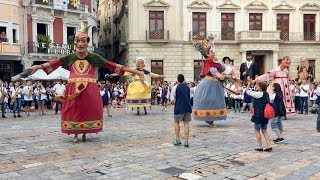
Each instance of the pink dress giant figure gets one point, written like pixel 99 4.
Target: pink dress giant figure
pixel 280 75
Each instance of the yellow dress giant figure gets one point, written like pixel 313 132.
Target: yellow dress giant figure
pixel 139 91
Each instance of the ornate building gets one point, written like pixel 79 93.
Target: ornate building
pixel 51 24
pixel 164 33
pixel 11 28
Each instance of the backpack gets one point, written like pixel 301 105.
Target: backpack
pixel 268 112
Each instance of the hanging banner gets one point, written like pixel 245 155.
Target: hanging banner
pixel 60 4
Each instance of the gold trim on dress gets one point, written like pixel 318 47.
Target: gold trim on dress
pixel 72 80
pixel 81 66
pixel 48 66
pixel 210 113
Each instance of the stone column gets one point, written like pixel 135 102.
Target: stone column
pixel 26 62
pixel 275 59
pixel 244 56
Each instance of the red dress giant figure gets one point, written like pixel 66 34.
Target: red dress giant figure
pixel 82 111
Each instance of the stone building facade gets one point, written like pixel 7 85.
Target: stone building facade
pixel 55 21
pixel 11 25
pixel 163 31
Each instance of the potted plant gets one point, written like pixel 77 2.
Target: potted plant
pixel 43 39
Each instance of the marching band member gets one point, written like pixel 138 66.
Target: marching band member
pixel 16 92
pixel 27 92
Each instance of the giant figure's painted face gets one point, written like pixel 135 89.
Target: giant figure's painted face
pixel 286 61
pixel 81 42
pixel 140 64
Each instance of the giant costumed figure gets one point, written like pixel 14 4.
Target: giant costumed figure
pixel 139 91
pixel 82 110
pixel 208 101
pixel 280 75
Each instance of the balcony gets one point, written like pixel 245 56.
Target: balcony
pixel 300 37
pixel 41 2
pixel 219 36
pixel 159 36
pixel 10 49
pixel 259 36
pixel 49 4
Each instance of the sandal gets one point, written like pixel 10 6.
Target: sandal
pixel 258 149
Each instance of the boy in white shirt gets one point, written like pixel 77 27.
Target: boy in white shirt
pixel 304 94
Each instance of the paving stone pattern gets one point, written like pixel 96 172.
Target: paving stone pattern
pixel 140 147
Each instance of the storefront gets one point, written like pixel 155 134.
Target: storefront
pixel 9 69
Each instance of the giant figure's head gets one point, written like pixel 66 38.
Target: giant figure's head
pixel 286 61
pixel 81 38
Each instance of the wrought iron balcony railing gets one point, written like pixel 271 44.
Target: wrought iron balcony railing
pixel 300 37
pixel 218 36
pixel 159 35
pixel 42 2
pixel 81 6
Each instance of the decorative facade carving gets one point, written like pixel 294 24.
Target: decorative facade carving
pixel 72 19
pixel 228 6
pixel 199 4
pixel 42 15
pixel 259 46
pixel 156 4
pixel 256 5
pixel 310 7
pixel 284 6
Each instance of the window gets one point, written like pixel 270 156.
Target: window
pixel 70 32
pixel 309 23
pixel 255 21
pixel 42 29
pixel 227 26
pixel 156 30
pixel 14 36
pixel 3 34
pixel 283 26
pixel 312 64
pixel 197 69
pixel 199 20
pixel 156 67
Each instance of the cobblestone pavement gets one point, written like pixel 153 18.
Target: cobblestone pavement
pixel 140 147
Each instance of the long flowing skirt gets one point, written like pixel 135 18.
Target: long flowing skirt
pixel 139 94
pixel 208 101
pixel 83 114
pixel 285 88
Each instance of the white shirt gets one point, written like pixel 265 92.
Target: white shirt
pixel 313 94
pixel 13 91
pixel 59 89
pixel 249 64
pixel 25 92
pixel 102 92
pixel 43 95
pixel 255 94
pixel 4 90
pixel 303 93
pixel 318 91
pixel 173 94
